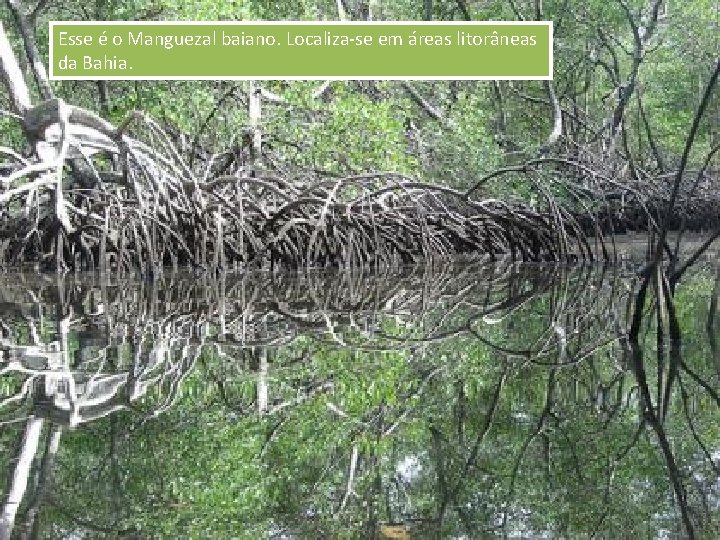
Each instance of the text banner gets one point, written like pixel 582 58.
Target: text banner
pixel 300 50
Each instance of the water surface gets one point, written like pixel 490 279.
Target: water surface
pixel 472 401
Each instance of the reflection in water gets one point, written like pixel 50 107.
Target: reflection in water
pixel 477 401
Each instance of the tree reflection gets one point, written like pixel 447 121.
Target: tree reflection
pixel 475 400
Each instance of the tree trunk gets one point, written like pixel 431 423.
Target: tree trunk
pixel 18 477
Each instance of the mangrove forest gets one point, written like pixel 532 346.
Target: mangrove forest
pixel 381 309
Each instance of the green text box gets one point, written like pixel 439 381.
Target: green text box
pixel 300 50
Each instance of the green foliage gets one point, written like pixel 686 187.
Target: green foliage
pixel 351 134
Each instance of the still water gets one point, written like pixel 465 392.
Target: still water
pixel 474 401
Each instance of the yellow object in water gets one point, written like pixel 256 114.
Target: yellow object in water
pixel 398 532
